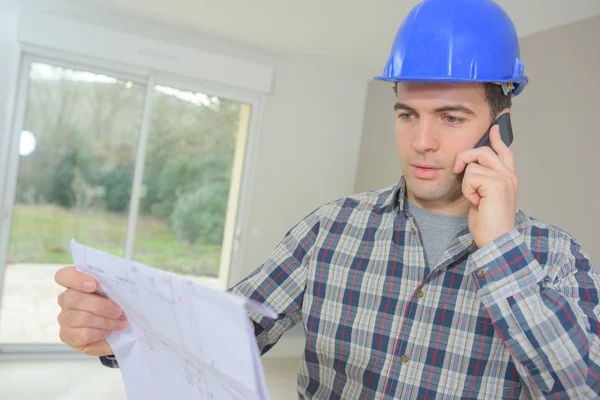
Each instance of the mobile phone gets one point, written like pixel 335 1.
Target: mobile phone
pixel 506 132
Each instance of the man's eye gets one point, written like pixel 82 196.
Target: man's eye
pixel 452 119
pixel 405 116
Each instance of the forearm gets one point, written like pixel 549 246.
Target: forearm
pixel 551 334
pixel 280 283
pixel 284 299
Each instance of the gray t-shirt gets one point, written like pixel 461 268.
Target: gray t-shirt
pixel 437 231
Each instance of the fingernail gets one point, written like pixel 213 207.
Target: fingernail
pixel 88 285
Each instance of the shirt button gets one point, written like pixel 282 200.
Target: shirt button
pixel 480 273
pixel 405 359
pixel 413 231
pixel 420 294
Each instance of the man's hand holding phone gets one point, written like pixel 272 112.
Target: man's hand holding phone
pixel 491 185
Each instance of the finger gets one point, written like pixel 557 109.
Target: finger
pixel 479 170
pixel 79 338
pixel 473 187
pixel 84 319
pixel 70 278
pixel 504 153
pixel 99 348
pixel 74 300
pixel 485 156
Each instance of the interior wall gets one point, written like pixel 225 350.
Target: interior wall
pixel 8 68
pixel 555 127
pixel 307 152
pixel 378 163
pixel 558 133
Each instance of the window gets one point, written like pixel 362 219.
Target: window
pixel 137 168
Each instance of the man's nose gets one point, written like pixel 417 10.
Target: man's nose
pixel 426 138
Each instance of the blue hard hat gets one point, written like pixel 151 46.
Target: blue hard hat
pixel 457 41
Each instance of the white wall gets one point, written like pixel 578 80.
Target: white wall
pixel 378 163
pixel 8 66
pixel 308 149
pixel 556 132
pixel 8 35
pixel 559 137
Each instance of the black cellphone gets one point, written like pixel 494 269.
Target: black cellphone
pixel 506 132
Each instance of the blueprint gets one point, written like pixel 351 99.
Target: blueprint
pixel 183 340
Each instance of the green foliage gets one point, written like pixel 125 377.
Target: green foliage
pixel 87 137
pixel 118 184
pixel 41 234
pixel 199 214
pixel 179 175
pixel 61 191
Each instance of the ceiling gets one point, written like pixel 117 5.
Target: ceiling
pixel 355 32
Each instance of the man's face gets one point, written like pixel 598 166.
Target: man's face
pixel 434 123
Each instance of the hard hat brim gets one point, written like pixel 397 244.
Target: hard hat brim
pixel 519 83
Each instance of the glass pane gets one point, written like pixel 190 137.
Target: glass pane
pixel 196 144
pixel 76 162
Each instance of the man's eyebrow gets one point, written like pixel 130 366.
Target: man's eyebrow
pixel 402 106
pixel 455 107
pixel 450 107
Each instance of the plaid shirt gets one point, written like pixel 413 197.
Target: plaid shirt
pixel 517 318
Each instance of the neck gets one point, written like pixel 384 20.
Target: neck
pixel 453 207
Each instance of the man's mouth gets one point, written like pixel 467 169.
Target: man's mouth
pixel 425 171
pixel 425 166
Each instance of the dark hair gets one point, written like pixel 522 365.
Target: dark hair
pixel 494 94
pixel 498 101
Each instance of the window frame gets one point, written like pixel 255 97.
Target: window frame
pixel 237 231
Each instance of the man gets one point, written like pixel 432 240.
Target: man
pixel 437 287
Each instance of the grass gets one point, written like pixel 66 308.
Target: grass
pixel 41 234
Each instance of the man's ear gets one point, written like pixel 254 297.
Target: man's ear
pixel 505 111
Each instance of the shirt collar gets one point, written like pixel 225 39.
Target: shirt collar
pixel 396 196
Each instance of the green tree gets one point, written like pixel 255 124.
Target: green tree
pixel 199 215
pixel 61 191
pixel 96 124
pixel 118 183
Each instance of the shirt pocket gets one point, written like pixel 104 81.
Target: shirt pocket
pixel 491 388
pixel 486 365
